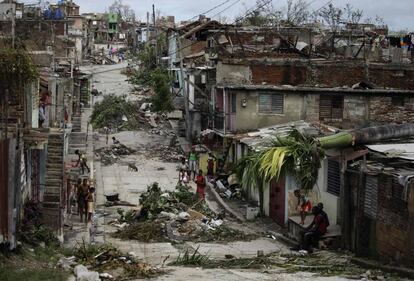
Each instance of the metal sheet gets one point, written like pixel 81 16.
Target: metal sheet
pixel 395 150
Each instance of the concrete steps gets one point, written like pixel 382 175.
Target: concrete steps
pixel 54 179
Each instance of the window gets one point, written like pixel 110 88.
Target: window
pixel 331 107
pixel 371 197
pixel 271 103
pixel 334 178
pixel 233 103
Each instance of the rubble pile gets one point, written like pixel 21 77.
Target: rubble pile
pixel 175 216
pixel 100 59
pixel 110 155
pixel 110 263
pixel 167 153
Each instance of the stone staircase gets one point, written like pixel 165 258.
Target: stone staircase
pixel 76 123
pixel 52 208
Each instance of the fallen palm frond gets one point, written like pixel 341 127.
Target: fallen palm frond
pixel 296 154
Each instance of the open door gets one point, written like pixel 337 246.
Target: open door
pixel 277 201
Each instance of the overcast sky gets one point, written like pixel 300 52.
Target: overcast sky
pixel 398 14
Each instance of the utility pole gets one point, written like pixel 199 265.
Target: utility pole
pixel 188 131
pixel 147 31
pixel 156 35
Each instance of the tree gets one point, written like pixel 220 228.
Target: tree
pixel 162 101
pixel 332 16
pixel 297 12
pixel 123 10
pixel 352 14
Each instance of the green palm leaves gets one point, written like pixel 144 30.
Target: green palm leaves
pixel 295 154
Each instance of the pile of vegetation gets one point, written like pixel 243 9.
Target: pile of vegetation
pixel 115 112
pixel 159 219
pixel 32 230
pixel 107 258
pixel 38 254
pixel 321 264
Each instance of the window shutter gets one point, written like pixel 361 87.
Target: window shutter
pixel 277 104
pixel 334 178
pixel 371 197
pixel 265 104
pixel 271 103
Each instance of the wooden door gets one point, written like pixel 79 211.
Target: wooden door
pixel 277 201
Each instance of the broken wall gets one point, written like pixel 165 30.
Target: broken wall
pixel 300 72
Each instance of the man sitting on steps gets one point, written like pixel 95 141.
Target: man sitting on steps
pixel 313 232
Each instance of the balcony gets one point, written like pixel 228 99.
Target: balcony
pixel 224 123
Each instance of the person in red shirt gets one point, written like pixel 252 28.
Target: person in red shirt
pixel 201 184
pixel 314 231
pixel 304 205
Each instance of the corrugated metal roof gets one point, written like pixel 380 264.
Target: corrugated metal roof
pixel 395 150
pixel 263 137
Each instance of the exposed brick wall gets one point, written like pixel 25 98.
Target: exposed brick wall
pixel 393 221
pixel 336 74
pixel 382 110
pixel 395 77
pixel 279 75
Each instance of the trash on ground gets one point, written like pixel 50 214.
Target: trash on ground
pixel 175 216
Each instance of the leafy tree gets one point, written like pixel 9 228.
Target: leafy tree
pixel 16 69
pixel 162 101
pixel 111 110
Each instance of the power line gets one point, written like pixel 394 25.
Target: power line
pixel 225 9
pixel 248 13
pixel 212 9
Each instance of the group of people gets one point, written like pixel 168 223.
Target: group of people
pixel 318 227
pixel 85 198
pixel 190 170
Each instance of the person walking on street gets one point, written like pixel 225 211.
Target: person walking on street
pixel 183 172
pixel 82 161
pixel 201 185
pixel 90 201
pixel 81 192
pixel 192 160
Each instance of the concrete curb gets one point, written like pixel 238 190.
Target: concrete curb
pixel 223 204
pixel 406 272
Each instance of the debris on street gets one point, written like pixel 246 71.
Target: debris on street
pixel 175 216
pixel 110 155
pixel 166 153
pixel 111 262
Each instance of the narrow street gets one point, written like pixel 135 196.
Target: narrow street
pixel 118 178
